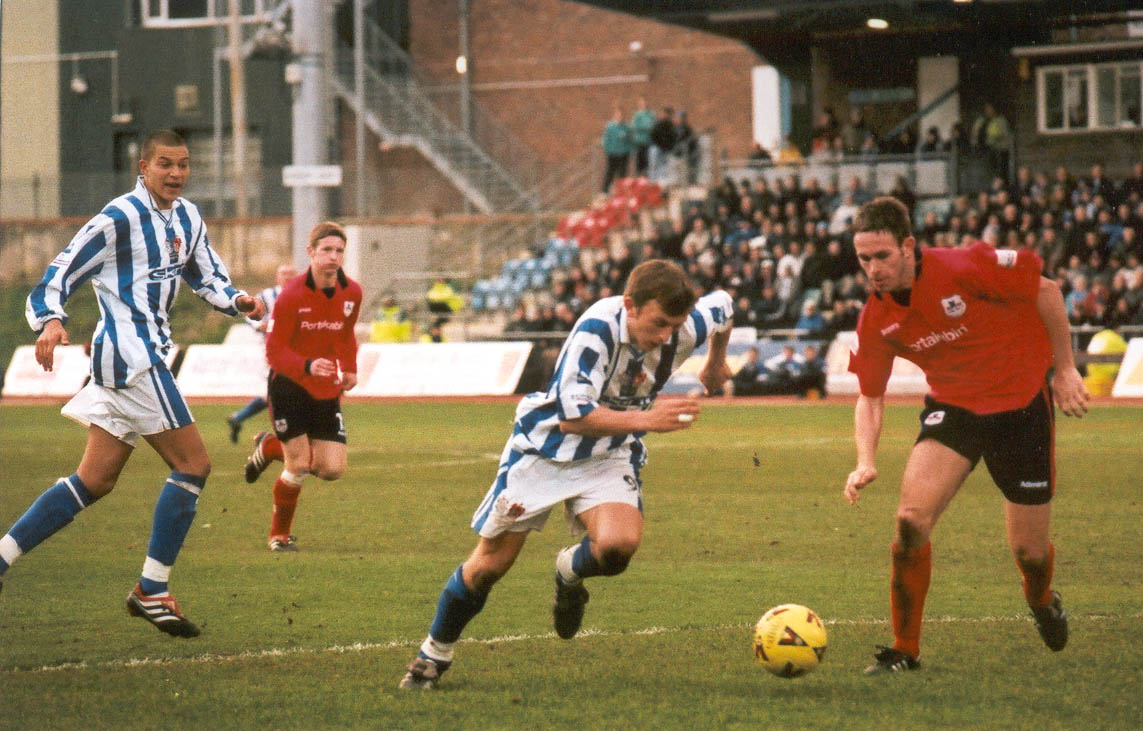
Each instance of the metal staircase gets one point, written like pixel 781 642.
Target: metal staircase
pixel 492 169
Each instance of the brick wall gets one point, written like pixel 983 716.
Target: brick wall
pixel 575 63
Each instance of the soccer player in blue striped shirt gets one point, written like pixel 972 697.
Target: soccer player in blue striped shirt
pixel 580 444
pixel 135 252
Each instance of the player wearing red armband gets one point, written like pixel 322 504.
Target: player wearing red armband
pixel 991 335
pixel 313 358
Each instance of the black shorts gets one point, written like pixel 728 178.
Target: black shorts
pixel 294 412
pixel 1018 446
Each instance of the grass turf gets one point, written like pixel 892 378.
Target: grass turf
pixel 319 639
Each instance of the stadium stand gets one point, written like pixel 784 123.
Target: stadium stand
pixel 778 247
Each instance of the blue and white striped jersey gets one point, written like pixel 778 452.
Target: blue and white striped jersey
pixel 600 366
pixel 134 256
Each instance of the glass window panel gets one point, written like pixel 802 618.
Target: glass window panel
pixel 1075 99
pixel 1053 100
pixel 1105 94
pixel 188 9
pixel 1130 97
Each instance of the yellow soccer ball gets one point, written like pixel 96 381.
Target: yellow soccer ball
pixel 789 640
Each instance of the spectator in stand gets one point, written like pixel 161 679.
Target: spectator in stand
pixel 758 153
pixel 811 320
pixel 843 215
pixel 616 144
pixel 905 143
pixel 520 321
pixel 842 318
pixel 745 380
pixel 686 148
pixel 1093 309
pixel 1100 185
pixel 813 372
pixel 958 140
pixel 903 193
pixel 769 308
pixel 663 138
pixel 672 243
pixel 823 133
pixel 744 314
pixel 1130 242
pixel 442 298
pixel 789 154
pixel 931 144
pixel 1075 298
pixel 813 266
pixel 435 333
pixel 856 135
pixel 642 121
pixel 992 136
pixel 785 371
pixel 788 289
pixel 1131 190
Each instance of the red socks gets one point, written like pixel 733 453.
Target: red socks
pixel 907 590
pixel 1038 579
pixel 272 448
pixel 285 501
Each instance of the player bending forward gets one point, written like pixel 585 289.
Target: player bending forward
pixel 135 252
pixel 313 358
pixel 580 444
pixel 986 328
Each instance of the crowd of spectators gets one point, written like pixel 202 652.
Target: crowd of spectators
pixel 663 148
pixel 784 252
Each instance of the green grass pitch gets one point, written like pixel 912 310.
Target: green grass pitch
pixel 319 639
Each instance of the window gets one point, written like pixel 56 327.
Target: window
pixel 1090 97
pixel 199 13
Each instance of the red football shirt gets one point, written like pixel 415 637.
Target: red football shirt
pixel 971 325
pixel 308 324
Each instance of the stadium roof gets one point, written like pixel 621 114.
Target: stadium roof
pixel 770 26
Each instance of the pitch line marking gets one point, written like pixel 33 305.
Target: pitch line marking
pixel 412 644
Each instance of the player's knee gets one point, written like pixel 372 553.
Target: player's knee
pixel 912 530
pixel 327 472
pixel 197 466
pixel 613 558
pixel 485 576
pixel 1030 557
pixel 99 486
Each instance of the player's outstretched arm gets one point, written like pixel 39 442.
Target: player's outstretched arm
pixel 52 335
pixel 866 432
pixel 1067 385
pixel 666 415
pixel 715 370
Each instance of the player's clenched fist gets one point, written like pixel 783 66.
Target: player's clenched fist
pixel 672 414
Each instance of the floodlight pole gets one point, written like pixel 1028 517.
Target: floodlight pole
pixel 309 120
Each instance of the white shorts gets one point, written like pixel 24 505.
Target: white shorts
pixel 151 405
pixel 527 487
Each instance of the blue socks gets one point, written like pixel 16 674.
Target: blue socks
pixel 583 563
pixel 254 407
pixel 174 513
pixel 456 607
pixel 53 509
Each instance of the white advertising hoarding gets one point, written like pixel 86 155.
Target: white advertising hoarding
pixel 440 369
pixel 25 377
pixel 224 370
